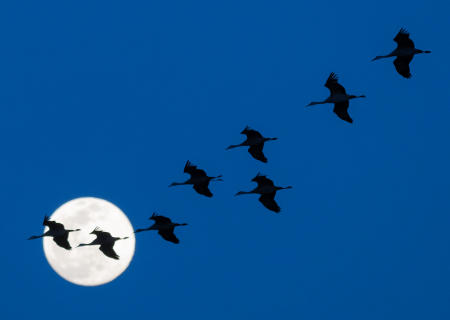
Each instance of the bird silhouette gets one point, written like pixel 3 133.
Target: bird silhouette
pixel 339 97
pixel 106 242
pixel 404 53
pixel 255 142
pixel 165 227
pixel 198 179
pixel 57 231
pixel 267 190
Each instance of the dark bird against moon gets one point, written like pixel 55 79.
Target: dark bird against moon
pixel 106 242
pixel 57 231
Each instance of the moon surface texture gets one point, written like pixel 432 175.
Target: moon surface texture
pixel 88 266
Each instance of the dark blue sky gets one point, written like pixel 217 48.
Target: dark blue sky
pixel 110 98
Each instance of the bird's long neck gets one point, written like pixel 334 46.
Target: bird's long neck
pixel 382 57
pixel 269 139
pixel 173 184
pixel 317 102
pixel 73 230
pixel 235 146
pixel 88 244
pixel 36 237
pixel 145 229
pixel 422 51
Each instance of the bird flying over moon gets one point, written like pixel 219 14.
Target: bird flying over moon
pixel 57 231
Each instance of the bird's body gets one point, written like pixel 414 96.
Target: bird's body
pixel 57 231
pixel 198 178
pixel 105 241
pixel 255 141
pixel 404 53
pixel 165 227
pixel 339 97
pixel 267 191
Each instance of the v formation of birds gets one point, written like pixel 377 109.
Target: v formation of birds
pixel 266 189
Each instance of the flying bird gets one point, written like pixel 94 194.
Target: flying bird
pixel 165 227
pixel 339 97
pixel 198 179
pixel 267 190
pixel 404 53
pixel 57 231
pixel 255 142
pixel 106 242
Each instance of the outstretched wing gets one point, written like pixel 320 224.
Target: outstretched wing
pixel 160 219
pixel 402 65
pixel 108 250
pixel 193 170
pixel 52 225
pixel 62 241
pixel 203 189
pixel 251 134
pixel 262 181
pixel 341 110
pixel 102 236
pixel 333 85
pixel 167 234
pixel 257 152
pixel 268 200
pixel 403 40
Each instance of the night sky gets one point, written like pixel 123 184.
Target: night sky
pixel 109 99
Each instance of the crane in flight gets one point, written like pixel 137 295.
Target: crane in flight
pixel 255 141
pixel 199 179
pixel 57 231
pixel 339 97
pixel 267 191
pixel 165 227
pixel 106 242
pixel 404 53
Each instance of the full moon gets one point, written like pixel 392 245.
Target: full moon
pixel 88 266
